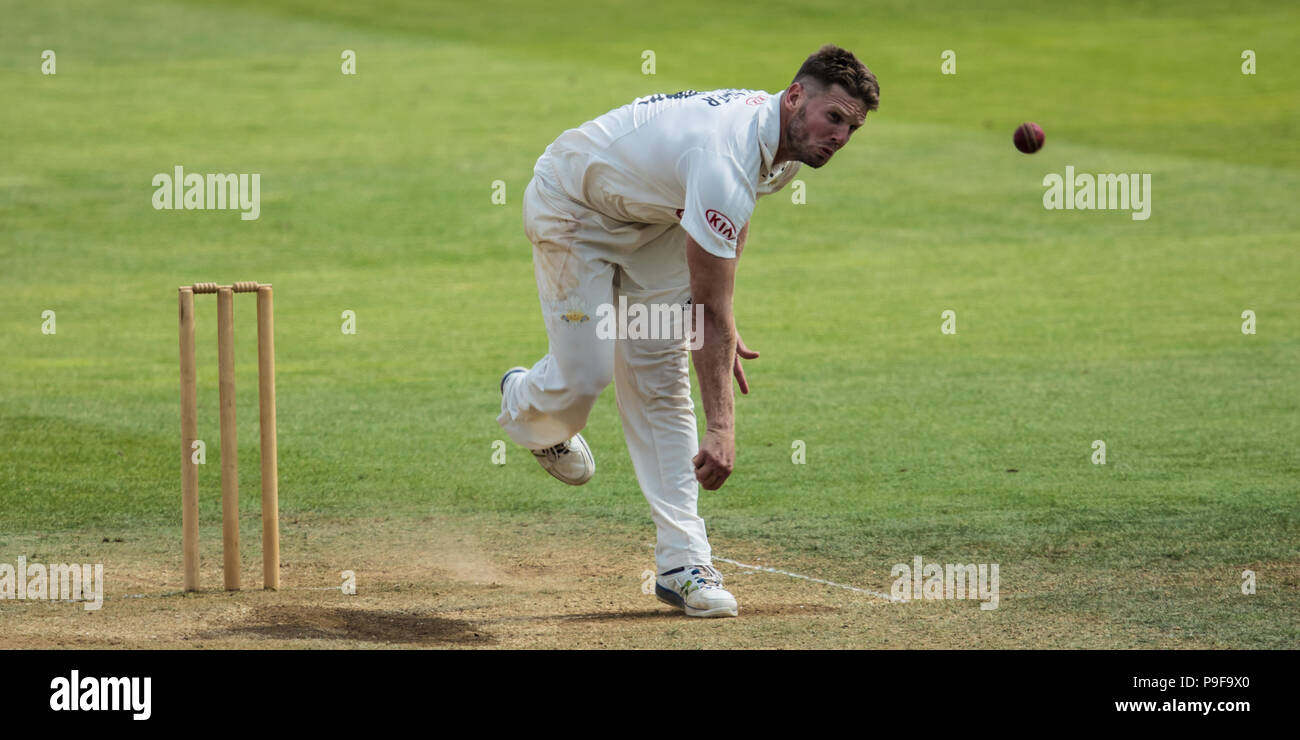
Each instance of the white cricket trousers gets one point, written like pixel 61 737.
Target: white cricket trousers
pixel 583 259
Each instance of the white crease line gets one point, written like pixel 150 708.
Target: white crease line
pixel 167 594
pixel 877 594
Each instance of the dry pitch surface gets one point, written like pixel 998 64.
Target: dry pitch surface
pixel 439 583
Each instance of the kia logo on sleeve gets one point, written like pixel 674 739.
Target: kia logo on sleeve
pixel 721 224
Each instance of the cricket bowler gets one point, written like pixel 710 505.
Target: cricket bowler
pixel 650 205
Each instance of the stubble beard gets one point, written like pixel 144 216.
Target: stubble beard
pixel 795 142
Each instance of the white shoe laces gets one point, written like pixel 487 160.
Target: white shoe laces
pixel 706 575
pixel 562 448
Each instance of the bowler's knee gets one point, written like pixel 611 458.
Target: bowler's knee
pixel 585 386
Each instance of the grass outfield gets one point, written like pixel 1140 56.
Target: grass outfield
pixel 376 191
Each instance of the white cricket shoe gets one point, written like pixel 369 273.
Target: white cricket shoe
pixel 697 590
pixel 510 372
pixel 569 461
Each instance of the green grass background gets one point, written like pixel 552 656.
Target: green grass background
pixel 1072 326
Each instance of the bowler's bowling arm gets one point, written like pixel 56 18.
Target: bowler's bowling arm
pixel 713 282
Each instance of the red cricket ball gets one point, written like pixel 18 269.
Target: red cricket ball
pixel 1029 137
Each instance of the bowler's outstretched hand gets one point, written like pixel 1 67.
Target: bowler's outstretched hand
pixel 714 461
pixel 742 352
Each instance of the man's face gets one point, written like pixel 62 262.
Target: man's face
pixel 822 124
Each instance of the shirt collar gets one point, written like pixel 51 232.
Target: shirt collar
pixel 769 131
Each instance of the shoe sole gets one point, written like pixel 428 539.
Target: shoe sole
pixel 672 599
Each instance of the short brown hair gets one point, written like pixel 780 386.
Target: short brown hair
pixel 832 65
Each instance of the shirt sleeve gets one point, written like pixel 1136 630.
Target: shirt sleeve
pixel 719 201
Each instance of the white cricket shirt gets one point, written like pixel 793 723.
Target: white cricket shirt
pixel 701 158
